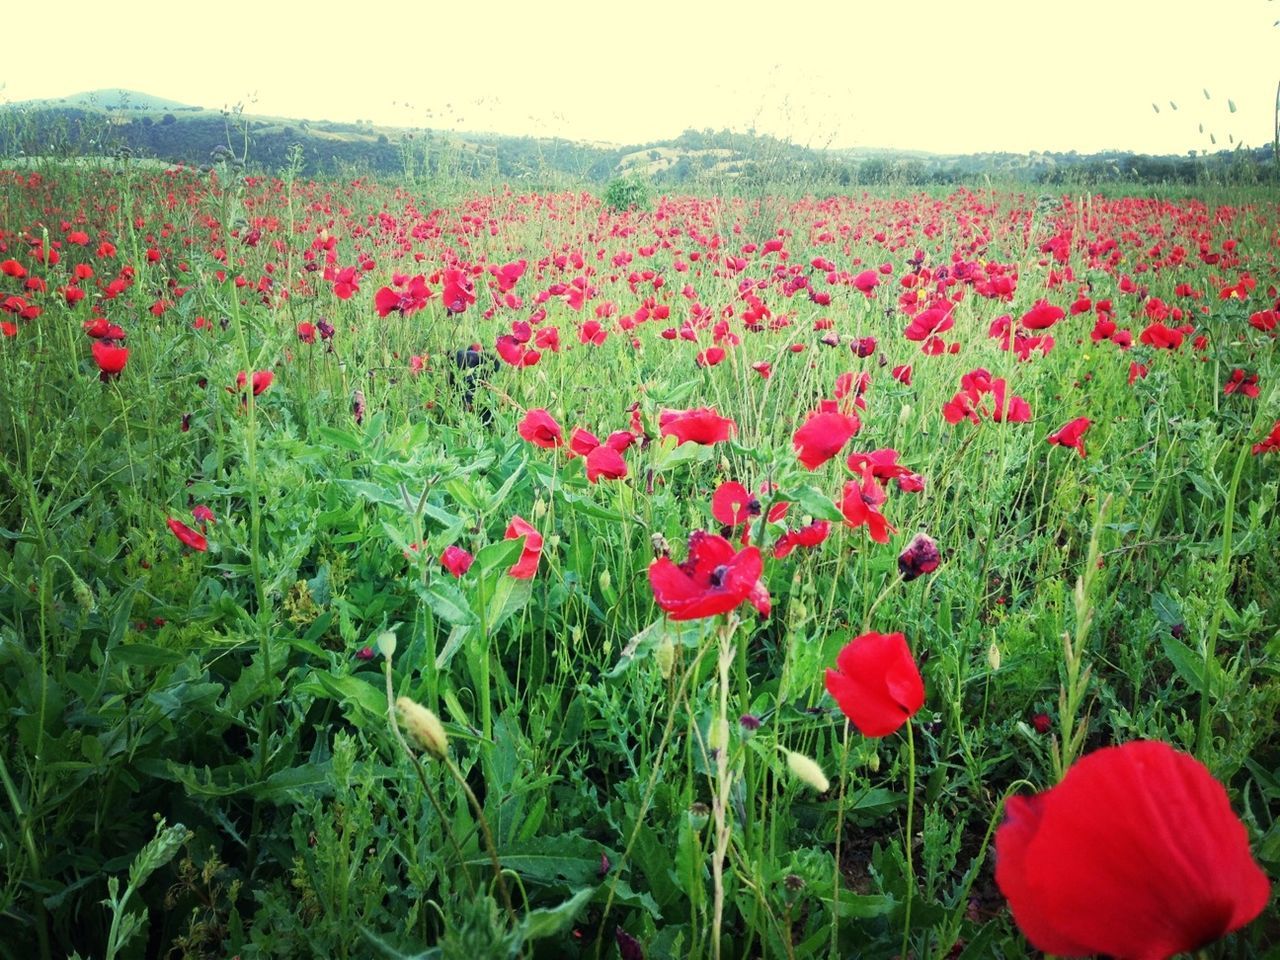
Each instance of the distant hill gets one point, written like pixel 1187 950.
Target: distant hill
pixel 111 121
pixel 110 99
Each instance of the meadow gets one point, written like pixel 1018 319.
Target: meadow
pixel 499 573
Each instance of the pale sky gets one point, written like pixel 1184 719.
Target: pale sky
pixel 961 77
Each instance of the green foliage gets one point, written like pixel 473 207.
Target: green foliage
pixel 627 193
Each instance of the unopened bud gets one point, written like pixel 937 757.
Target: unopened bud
pixel 993 657
pixel 424 727
pixel 83 595
pixel 666 657
pixel 808 771
pixel 386 643
pixel 539 508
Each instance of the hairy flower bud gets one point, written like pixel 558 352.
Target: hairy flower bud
pixel 424 727
pixel 808 771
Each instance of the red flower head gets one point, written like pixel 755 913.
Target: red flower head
pixel 582 442
pixel 1071 434
pixel 110 359
pixel 261 380
pixel 1042 316
pixel 541 429
pixel 876 683
pixel 456 560
pixel 605 461
pixel 527 565
pixel 700 425
pixel 921 556
pixel 1135 854
pixel 188 536
pixel 713 580
pixel 1161 337
pixel 459 291
pixel 808 537
pixel 733 504
pixel 822 436
pixel 1270 443
pixel 861 506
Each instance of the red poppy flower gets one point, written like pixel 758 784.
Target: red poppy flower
pixel 1270 443
pixel 876 683
pixel 700 425
pixel 1265 320
pixel 188 536
pixel 459 291
pixel 1042 316
pixel 203 514
pixel 861 507
pixel 541 429
pixel 110 359
pixel 713 580
pixel 582 442
pixel 527 565
pixel 1135 854
pixel 822 436
pixel 412 297
pixel 1071 434
pixel 733 504
pixel 808 536
pixel 1137 371
pixel 1161 337
pixel 307 332
pixel 456 560
pixel 261 380
pixel 605 461
pixel 1246 383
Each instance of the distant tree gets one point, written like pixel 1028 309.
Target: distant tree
pixel 168 119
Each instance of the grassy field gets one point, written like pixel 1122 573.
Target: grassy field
pixel 254 490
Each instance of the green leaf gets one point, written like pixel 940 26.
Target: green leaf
pixel 498 556
pixel 341 439
pixel 497 499
pixel 1190 665
pixel 147 655
pixel 1166 609
pixel 813 502
pixel 539 924
pixel 447 602
pixel 570 857
pixel 352 692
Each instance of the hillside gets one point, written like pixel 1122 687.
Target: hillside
pixel 112 121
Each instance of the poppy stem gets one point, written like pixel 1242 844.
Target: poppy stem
pixel 911 804
pixel 1224 581
pixel 835 885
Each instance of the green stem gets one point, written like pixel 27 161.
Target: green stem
pixel 1224 580
pixel 911 804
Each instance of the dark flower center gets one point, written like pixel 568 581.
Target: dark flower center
pixel 718 574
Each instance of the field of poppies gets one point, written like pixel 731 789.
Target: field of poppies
pixel 385 574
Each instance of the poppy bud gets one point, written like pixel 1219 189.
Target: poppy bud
pixel 83 595
pixel 424 727
pixel 807 771
pixel 666 657
pixel 386 644
pixel 993 657
pixel 699 813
